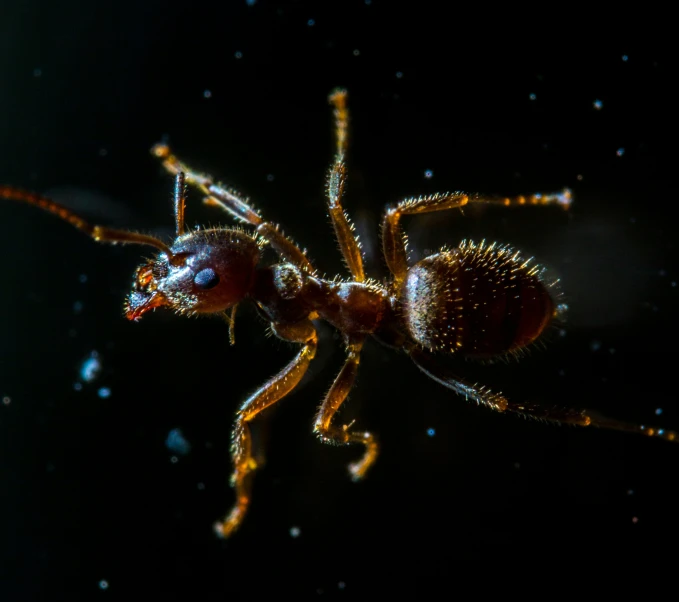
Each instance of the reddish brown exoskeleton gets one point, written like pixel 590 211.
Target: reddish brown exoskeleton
pixel 473 300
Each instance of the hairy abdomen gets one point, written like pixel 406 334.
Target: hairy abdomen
pixel 479 300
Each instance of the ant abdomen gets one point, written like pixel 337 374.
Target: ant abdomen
pixel 479 300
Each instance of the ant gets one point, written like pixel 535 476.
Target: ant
pixel 476 301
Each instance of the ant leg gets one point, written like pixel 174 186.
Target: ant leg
pixel 395 243
pixel 344 229
pixel 275 389
pixel 560 415
pixel 98 233
pixel 235 205
pixel 332 402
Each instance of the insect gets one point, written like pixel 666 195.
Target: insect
pixel 473 300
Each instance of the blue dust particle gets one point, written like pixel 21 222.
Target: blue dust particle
pixel 399 74
pixel 598 105
pixel 103 584
pixel 207 94
pixel 37 72
pixel 104 392
pixel 250 2
pixel 91 368
pixel 177 443
pixel 620 152
pixel 78 307
pixel 270 177
pixel 78 386
pixel 238 54
pixel 673 284
pixel 368 2
pixel 625 58
pixel 595 345
pixel 311 22
pixel 295 531
pixel 532 96
pixel 428 174
pixel 658 411
pixel 431 432
pixel 82 278
pixel 341 585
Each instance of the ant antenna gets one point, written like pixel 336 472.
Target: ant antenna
pixel 98 233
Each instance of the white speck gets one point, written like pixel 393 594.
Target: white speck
pixel 562 372
pixel 595 345
pixel 103 152
pixel 598 105
pixel 177 443
pixel 673 284
pixel 562 332
pixel 632 220
pixel 238 54
pixel 6 400
pixel 311 22
pixel 662 273
pixel 104 392
pixel 207 94
pixel 532 96
pixel 428 174
pixel 620 152
pixel 270 177
pixel 341 585
pixel 579 177
pixel 82 278
pixel 635 519
pixel 91 367
pixel 201 486
pixel 37 72
pixel 658 411
pixel 174 459
pixel 356 52
pixel 295 531
pixel 103 584
pixel 630 492
pixel 399 74
pixel 625 58
pixel 611 350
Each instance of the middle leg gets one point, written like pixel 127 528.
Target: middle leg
pixel 330 433
pixel 344 229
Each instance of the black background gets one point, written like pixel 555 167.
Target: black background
pixel 92 505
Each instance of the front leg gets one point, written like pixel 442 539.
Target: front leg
pixel 276 388
pixel 330 433
pixel 234 204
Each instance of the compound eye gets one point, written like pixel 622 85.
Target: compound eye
pixel 206 279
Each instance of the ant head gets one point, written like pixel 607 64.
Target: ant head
pixel 207 271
